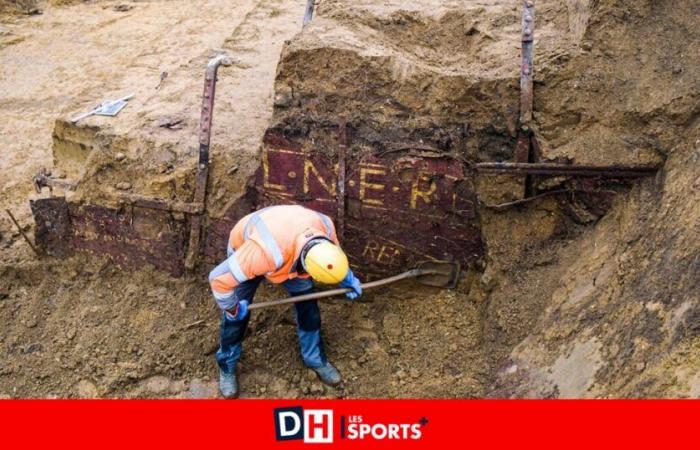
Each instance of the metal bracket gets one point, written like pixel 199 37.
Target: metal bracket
pixel 44 179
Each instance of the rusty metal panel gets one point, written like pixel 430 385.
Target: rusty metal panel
pixel 133 237
pixel 400 209
pixel 53 230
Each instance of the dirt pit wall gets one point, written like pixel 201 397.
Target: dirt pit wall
pixel 617 300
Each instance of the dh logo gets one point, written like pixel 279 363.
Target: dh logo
pixel 314 426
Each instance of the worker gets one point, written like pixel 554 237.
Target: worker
pixel 289 245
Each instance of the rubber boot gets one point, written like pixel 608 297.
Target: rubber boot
pixel 328 374
pixel 228 384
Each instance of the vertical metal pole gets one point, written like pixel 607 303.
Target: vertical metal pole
pixel 523 150
pixel 200 192
pixel 340 189
pixel 309 11
pixel 526 75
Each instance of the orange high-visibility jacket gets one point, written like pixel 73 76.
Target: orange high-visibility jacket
pixel 268 243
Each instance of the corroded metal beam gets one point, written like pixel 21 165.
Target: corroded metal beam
pixel 555 169
pixel 141 201
pixel 200 192
pixel 526 67
pixel 43 179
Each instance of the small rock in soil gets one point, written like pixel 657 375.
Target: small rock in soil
pixel 311 375
pixel 392 327
pixel 171 122
pixel 203 389
pixel 157 384
pixel 33 348
pixel 86 389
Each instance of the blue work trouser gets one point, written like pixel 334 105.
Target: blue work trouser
pixel 308 318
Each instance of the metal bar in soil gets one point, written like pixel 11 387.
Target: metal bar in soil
pixel 205 125
pixel 340 191
pixel 563 169
pixel 21 231
pixel 504 206
pixel 141 201
pixel 526 67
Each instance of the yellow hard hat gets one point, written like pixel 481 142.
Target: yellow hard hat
pixel 326 263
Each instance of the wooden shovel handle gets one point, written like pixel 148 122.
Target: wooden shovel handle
pixel 332 292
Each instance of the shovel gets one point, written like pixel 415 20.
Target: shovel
pixel 441 274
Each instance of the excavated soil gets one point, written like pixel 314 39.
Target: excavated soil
pixel 569 300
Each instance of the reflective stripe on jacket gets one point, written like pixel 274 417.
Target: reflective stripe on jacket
pixel 268 243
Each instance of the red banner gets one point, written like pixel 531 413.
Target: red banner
pixel 362 424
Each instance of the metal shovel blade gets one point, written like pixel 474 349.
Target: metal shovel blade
pixel 444 274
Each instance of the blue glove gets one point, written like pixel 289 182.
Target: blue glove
pixel 352 282
pixel 240 312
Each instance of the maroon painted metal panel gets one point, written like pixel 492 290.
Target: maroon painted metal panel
pixel 133 237
pixel 400 209
pixel 53 229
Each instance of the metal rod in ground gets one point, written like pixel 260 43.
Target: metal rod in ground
pixel 340 194
pixel 19 228
pixel 526 68
pixel 205 124
pixel 309 11
pixel 563 169
pixel 504 206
